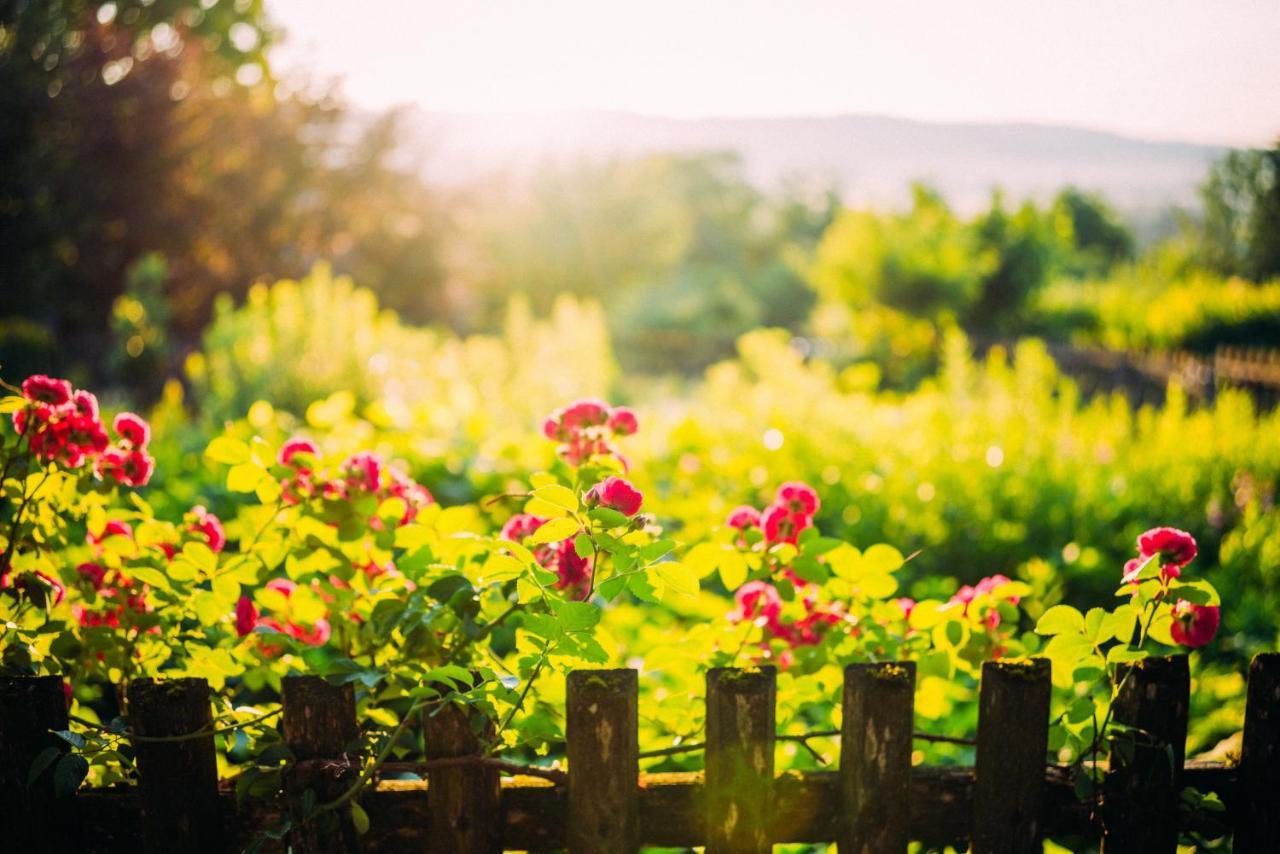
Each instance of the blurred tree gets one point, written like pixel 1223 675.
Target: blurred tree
pixel 156 127
pixel 1098 237
pixel 1240 232
pixel 684 254
pixel 1025 246
pixel 87 93
pixel 924 262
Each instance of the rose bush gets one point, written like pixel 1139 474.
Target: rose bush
pixel 339 562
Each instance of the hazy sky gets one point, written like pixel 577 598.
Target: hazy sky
pixel 1199 70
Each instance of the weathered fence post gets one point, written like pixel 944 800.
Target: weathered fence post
pixel 319 727
pixel 31 706
pixel 875 757
pixel 602 734
pixel 1009 763
pixel 739 759
pixel 1146 763
pixel 1258 807
pixel 177 769
pixel 463 814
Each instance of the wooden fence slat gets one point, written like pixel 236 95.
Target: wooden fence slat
pixel 31 706
pixel 1009 762
pixel 1259 790
pixel 739 759
pixel 875 757
pixel 319 728
pixel 1142 789
pixel 602 746
pixel 178 779
pixel 463 804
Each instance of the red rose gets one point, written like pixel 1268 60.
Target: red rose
pixel 781 525
pixel 1194 625
pixel 293 447
pixel 41 389
pixel 1175 548
pixel 616 494
pixel 757 599
pixel 623 421
pixel 246 616
pixel 798 498
pixel 132 429
pixel 210 526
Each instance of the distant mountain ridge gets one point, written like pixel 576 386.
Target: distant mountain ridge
pixel 871 159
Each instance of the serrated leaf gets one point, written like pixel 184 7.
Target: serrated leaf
pixel 576 616
pixel 677 577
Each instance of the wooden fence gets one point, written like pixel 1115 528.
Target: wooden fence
pixel 876 801
pixel 1145 376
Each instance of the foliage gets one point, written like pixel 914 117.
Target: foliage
pixel 682 251
pixel 1140 309
pixel 135 128
pixel 1241 219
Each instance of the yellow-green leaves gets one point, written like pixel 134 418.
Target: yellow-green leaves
pixel 706 558
pixel 227 449
pixel 675 577
pixel 552 500
pixel 553 531
pixel 1060 619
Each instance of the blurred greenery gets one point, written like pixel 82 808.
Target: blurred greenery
pixel 221 245
pixel 992 466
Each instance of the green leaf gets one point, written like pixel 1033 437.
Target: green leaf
pixel 576 616
pixel 582 545
pixel 41 763
pixel 1060 619
pixel 608 517
pixel 226 588
pixel 558 496
pixel 446 587
pixel 882 558
pixel 1067 650
pixel 502 567
pixel 811 570
pixel 244 477
pixel 677 577
pixel 227 449
pixel 153 577
pixel 733 568
pixel 554 531
pixel 359 819
pixel 69 774
pixel 1125 654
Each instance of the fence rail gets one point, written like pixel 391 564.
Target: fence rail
pixel 1146 375
pixel 875 802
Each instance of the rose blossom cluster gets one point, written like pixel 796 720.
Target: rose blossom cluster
pixel 122 598
pixel 791 512
pixel 573 570
pixel 585 429
pixel 361 474
pixel 247 618
pixel 1193 625
pixel 63 425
